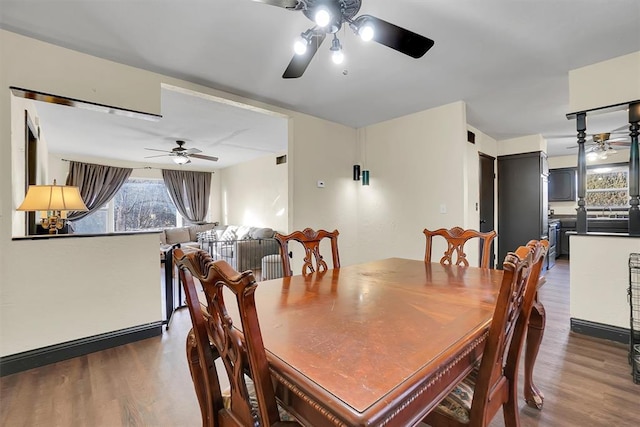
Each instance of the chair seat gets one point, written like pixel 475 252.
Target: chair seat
pixel 457 404
pixel 226 401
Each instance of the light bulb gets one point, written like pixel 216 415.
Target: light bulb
pixel 300 46
pixel 366 32
pixel 592 156
pixel 181 160
pixel 337 56
pixel 322 17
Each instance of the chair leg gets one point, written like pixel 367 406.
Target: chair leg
pixel 197 375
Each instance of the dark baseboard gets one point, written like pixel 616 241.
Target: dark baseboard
pixel 55 353
pixel 600 330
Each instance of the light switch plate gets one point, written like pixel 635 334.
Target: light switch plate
pixel 443 208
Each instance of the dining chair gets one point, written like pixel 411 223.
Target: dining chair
pixel 456 238
pixel 310 240
pixel 250 400
pixel 492 383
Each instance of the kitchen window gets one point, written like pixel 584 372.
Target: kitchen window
pixel 608 187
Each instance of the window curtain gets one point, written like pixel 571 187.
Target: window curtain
pixel 97 183
pixel 189 191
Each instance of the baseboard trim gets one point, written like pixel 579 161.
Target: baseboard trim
pixel 55 353
pixel 600 330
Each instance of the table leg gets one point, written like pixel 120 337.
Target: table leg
pixel 537 319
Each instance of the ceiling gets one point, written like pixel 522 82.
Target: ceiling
pixel 233 133
pixel 507 59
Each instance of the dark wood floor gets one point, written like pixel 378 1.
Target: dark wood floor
pixel 586 381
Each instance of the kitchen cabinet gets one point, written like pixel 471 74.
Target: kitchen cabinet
pixel 562 185
pixel 566 225
pixel 554 238
pixel 522 200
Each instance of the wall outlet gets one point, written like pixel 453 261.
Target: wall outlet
pixel 320 184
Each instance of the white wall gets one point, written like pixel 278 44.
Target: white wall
pixel 255 193
pixel 605 83
pixel 599 277
pixel 417 165
pixel 524 144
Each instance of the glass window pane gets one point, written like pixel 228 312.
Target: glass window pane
pixel 143 204
pixel 95 223
pixel 608 187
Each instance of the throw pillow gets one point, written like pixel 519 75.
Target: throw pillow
pixel 229 235
pixel 208 236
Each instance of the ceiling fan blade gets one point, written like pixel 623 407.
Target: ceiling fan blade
pixel 203 157
pixel 153 149
pixel 191 151
pixel 159 155
pixel 287 4
pixel 299 63
pixel 398 38
pixel 620 143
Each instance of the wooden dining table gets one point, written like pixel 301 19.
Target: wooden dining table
pixel 374 344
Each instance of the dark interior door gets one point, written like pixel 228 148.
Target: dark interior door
pixel 487 197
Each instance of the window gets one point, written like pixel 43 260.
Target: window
pixel 608 187
pixel 141 204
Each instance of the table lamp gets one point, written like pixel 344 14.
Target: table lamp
pixel 56 201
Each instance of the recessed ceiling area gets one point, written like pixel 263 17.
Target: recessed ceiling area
pixel 231 132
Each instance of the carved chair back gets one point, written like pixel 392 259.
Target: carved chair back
pixel 456 239
pixel 213 334
pixel 313 261
pixel 496 378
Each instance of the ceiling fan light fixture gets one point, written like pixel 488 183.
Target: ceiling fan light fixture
pixel 364 28
pixel 366 32
pixel 337 56
pixel 592 155
pixel 322 17
pixel 181 160
pixel 300 46
pixel 301 43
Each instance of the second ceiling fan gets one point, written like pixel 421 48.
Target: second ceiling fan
pixel 329 17
pixel 181 155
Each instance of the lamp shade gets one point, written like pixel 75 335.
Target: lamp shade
pixel 53 198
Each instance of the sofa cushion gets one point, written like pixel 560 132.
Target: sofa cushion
pixel 262 233
pixel 243 232
pixel 177 235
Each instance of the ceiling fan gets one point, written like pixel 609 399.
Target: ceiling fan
pixel 601 146
pixel 181 155
pixel 329 16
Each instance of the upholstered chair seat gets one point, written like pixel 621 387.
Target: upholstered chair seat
pixel 253 398
pixel 457 404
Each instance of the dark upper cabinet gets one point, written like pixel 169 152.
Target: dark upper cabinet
pixel 562 185
pixel 522 200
